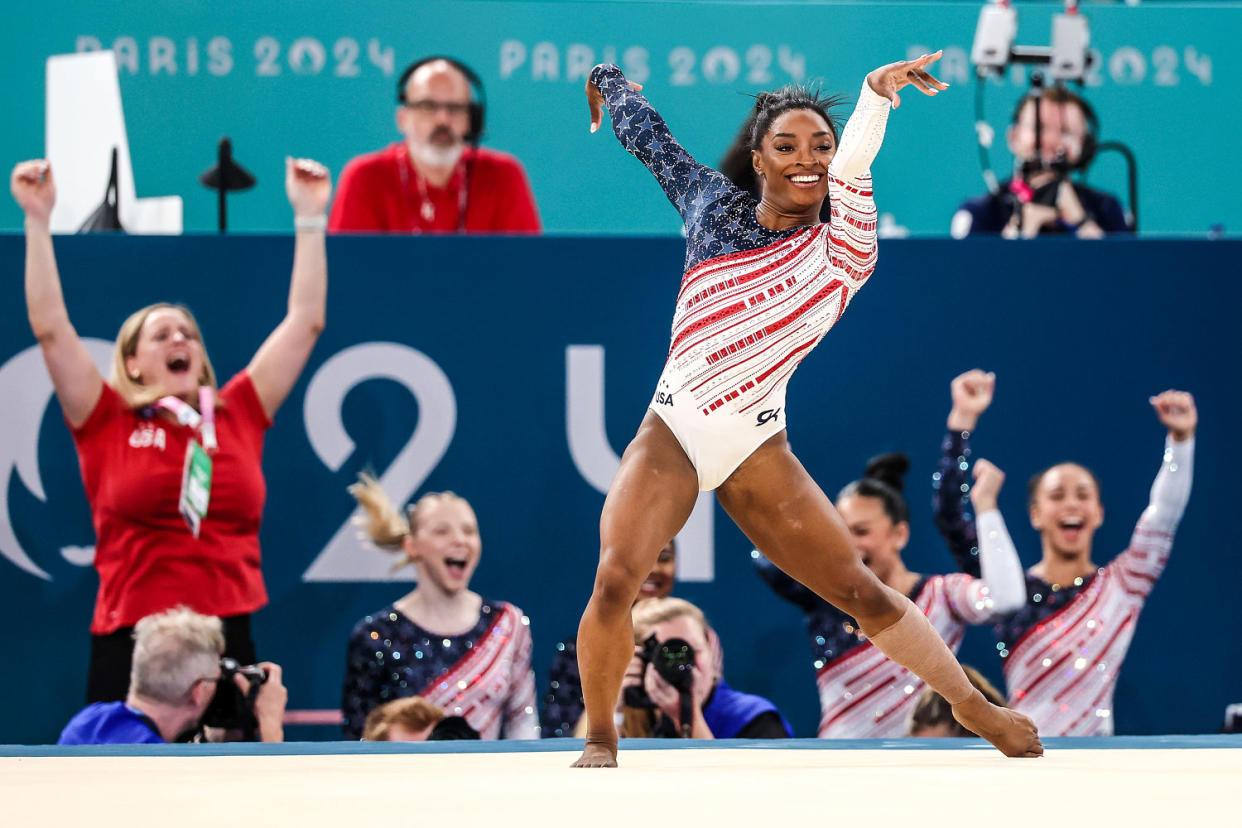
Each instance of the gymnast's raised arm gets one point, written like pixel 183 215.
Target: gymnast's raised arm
pixel 865 130
pixel 1144 561
pixel 643 133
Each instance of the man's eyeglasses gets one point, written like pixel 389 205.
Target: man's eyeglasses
pixel 431 107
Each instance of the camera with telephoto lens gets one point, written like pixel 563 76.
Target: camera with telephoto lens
pixel 230 708
pixel 673 661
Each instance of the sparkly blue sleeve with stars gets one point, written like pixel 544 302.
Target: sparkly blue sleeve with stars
pixel 362 680
pixel 563 702
pixel 719 218
pixel 640 129
pixel 951 502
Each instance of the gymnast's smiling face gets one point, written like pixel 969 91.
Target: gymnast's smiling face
pixel 877 539
pixel 445 544
pixel 791 163
pixel 1065 509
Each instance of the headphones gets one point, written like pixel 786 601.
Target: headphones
pixel 1090 141
pixel 478 106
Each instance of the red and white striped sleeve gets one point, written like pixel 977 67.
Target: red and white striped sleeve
pixel 852 222
pixel 968 598
pixel 1002 587
pixel 520 716
pixel 1142 563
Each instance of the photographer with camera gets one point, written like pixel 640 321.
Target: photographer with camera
pixel 674 688
pixel 1053 135
pixel 179 684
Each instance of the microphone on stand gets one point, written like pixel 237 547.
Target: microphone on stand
pixel 226 176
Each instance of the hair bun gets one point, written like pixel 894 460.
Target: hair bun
pixel 889 469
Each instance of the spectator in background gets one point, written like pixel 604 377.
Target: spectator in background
pixel 1064 647
pixel 466 655
pixel 409 719
pixel 932 716
pixel 157 419
pixel 719 711
pixel 175 676
pixel 878 519
pixel 563 700
pixel 437 179
pixel 1041 198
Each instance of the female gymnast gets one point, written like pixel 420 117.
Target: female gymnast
pixel 149 436
pixel 862 694
pixel 463 653
pixel 1063 649
pixel 763 283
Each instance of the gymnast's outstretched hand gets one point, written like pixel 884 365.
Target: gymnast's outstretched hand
pixel 595 100
pixel 888 79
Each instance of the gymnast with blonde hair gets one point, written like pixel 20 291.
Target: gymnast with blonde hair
pixel 465 654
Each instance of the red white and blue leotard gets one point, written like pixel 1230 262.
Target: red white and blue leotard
pixel 862 693
pixel 753 301
pixel 1064 648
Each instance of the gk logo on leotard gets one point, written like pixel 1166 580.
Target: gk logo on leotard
pixel 664 399
pixel 766 416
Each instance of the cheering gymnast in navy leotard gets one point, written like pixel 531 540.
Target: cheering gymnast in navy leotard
pixel 763 283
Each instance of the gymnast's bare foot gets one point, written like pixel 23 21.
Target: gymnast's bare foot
pixel 597 754
pixel 1013 734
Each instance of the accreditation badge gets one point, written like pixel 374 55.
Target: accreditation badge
pixel 195 486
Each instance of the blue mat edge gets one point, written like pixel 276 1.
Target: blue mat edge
pixel 1201 742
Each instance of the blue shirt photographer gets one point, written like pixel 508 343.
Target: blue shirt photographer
pixel 110 723
pixel 731 714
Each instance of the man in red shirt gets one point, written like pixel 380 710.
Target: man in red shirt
pixel 437 180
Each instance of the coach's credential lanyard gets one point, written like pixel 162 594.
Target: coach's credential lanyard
pixel 204 423
pixel 196 473
pixel 426 207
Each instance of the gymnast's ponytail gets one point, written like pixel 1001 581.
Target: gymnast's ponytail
pixel 884 478
pixel 383 525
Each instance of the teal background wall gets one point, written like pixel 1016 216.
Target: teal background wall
pixel 317 78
